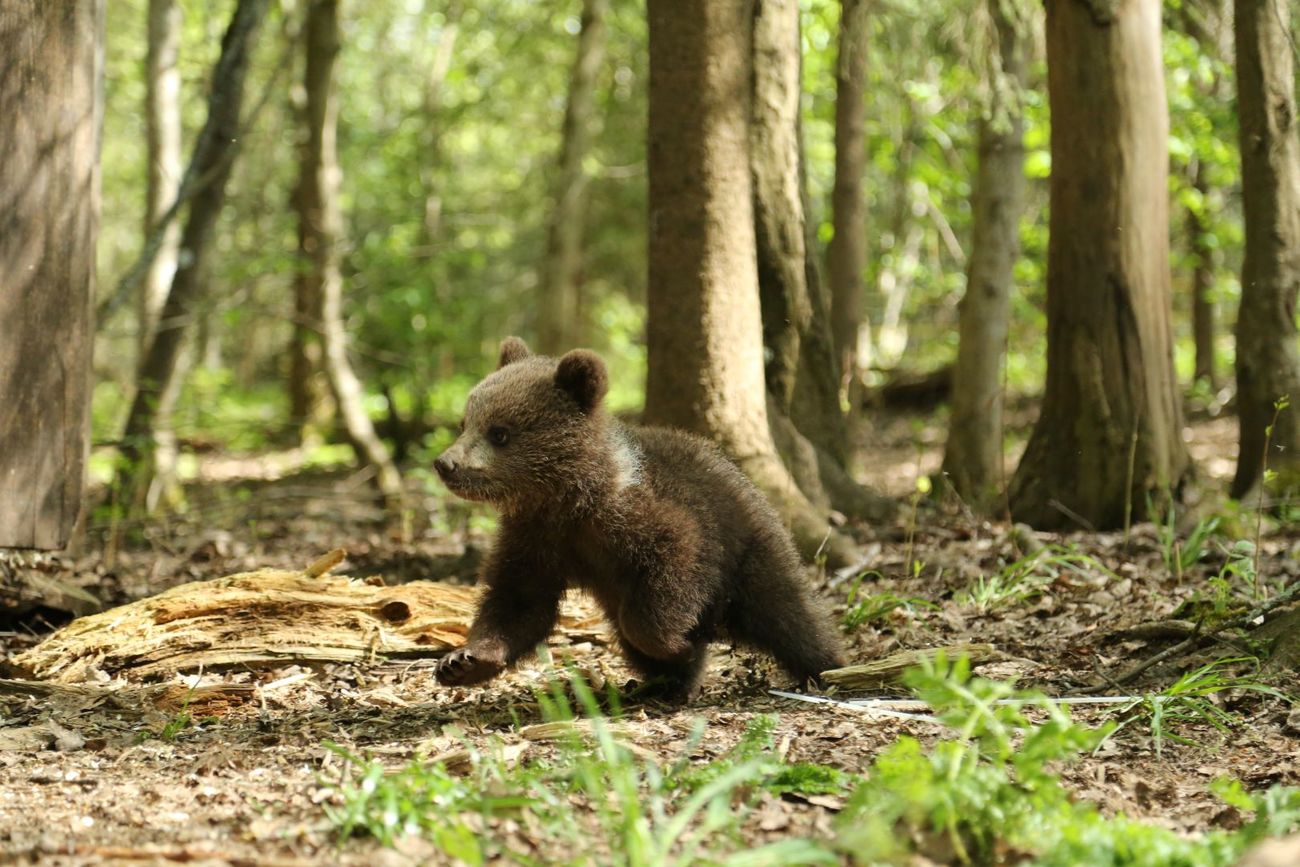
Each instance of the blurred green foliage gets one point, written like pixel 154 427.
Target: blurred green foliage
pixel 447 183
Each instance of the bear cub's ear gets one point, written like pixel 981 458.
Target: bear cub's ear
pixel 512 349
pixel 581 374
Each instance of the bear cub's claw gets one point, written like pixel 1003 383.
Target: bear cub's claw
pixel 464 668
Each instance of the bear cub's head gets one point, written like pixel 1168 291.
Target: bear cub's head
pixel 532 429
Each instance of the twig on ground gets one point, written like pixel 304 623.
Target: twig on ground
pixel 1248 619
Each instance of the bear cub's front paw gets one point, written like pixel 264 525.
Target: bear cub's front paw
pixel 463 667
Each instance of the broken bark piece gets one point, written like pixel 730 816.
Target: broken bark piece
pixel 264 618
pixel 886 671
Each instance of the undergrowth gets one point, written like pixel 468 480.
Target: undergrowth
pixel 988 793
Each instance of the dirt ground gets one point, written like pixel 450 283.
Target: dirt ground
pixel 92 781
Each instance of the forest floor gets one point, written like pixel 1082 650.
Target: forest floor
pixel 113 784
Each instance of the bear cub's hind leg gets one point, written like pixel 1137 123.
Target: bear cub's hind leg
pixel 675 680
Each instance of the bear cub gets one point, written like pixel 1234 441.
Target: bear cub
pixel 674 543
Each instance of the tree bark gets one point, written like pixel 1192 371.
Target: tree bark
pixel 802 375
pixel 1108 440
pixel 311 409
pixel 558 310
pixel 1202 283
pixel 321 238
pixel 846 256
pixel 51 104
pixel 431 138
pixel 704 326
pixel 1267 358
pixel 778 201
pixel 973 457
pixel 210 166
pixel 163 143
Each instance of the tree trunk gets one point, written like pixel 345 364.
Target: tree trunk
pixel 311 408
pixel 972 460
pixel 50 101
pixel 210 166
pixel 321 234
pixel 557 319
pixel 163 142
pixel 1108 439
pixel 803 374
pixel 1202 283
pixel 846 257
pixel 778 200
pixel 704 326
pixel 431 138
pixel 1268 362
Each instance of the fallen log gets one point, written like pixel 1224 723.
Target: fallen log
pixel 888 670
pixel 268 618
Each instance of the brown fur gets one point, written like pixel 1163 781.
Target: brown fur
pixel 676 545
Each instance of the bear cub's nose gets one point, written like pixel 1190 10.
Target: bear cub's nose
pixel 445 466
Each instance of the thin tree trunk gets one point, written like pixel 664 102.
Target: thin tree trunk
pixel 443 52
pixel 1268 361
pixel 846 256
pixel 210 165
pixel 311 406
pixel 1108 440
pixel 778 200
pixel 163 145
pixel 704 327
pixel 972 460
pixel 557 321
pixel 895 274
pixel 1202 283
pixel 321 228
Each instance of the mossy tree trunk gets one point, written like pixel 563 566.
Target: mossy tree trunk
pixel 1268 360
pixel 1108 440
pixel 972 459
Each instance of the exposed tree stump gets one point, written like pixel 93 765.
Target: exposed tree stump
pixel 268 617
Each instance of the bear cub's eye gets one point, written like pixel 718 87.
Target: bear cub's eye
pixel 498 436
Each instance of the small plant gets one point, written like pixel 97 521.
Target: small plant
pixel 1189 701
pixel 1179 554
pixel 988 795
pixel 865 608
pixel 1029 576
pixel 419 799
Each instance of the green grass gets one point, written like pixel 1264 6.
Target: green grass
pixel 863 608
pixel 988 793
pixel 1190 702
pixel 1028 577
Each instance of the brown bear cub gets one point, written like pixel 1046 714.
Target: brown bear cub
pixel 675 544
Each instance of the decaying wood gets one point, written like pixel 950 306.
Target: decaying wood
pixel 268 617
pixel 27 583
pixel 206 700
pixel 882 672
